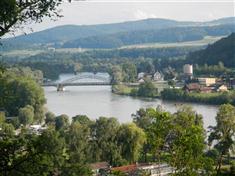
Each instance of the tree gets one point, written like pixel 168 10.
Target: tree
pixel 82 119
pixel 131 139
pixel 158 131
pixel 146 66
pixel 129 72
pixel 147 89
pixel 104 137
pixel 61 122
pixel 116 74
pixel 7 130
pixel 187 144
pixel 223 133
pixel 26 115
pixel 78 138
pixel 50 118
pixel 18 91
pixel 14 13
pixel 2 117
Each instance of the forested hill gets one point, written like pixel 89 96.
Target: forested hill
pixel 167 35
pixel 119 34
pixel 221 51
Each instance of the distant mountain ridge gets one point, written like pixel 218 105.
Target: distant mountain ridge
pixel 62 35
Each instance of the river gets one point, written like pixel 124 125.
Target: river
pixel 97 101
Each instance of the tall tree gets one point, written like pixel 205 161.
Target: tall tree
pixel 131 139
pixel 223 133
pixel 187 143
pixel 26 115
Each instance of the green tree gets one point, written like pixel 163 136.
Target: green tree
pixel 131 139
pixel 26 115
pixel 2 117
pixel 129 72
pixel 223 133
pixel 116 74
pixel 50 118
pixel 187 144
pixel 61 122
pixel 82 119
pixel 147 89
pixel 18 91
pixel 7 130
pixel 14 13
pixel 78 138
pixel 104 134
pixel 158 131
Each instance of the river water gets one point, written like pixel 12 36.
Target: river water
pixel 97 101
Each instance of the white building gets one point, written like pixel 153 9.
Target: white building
pixel 141 75
pixel 188 69
pixel 158 76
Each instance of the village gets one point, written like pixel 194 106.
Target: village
pixel 188 82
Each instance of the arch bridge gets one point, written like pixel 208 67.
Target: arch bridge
pixel 82 80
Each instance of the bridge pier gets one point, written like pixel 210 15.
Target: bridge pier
pixel 60 88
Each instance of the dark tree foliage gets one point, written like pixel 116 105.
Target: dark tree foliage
pixel 221 51
pixel 14 13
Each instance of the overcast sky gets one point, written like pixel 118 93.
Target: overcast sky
pixel 112 11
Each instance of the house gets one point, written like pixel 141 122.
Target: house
pixel 205 89
pixel 207 81
pixel 192 87
pixel 141 75
pixel 99 168
pixel 151 169
pixel 128 169
pixel 158 76
pixel 141 80
pixel 220 88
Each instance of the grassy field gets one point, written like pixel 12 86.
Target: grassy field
pixel 207 40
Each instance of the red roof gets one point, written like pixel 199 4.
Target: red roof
pixel 127 168
pixel 193 86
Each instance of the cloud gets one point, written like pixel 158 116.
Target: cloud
pixel 139 14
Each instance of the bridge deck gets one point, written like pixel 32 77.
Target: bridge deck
pixel 77 84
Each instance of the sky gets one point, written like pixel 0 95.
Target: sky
pixel 112 11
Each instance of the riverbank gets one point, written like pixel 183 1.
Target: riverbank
pixel 143 90
pixel 217 98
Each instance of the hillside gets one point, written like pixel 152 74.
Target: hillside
pixel 117 34
pixel 167 35
pixel 221 51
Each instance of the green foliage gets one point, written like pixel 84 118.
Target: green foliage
pixel 82 119
pixel 26 115
pixel 15 12
pixel 2 117
pixel 175 34
pixel 78 140
pixel 18 91
pixel 223 133
pixel 7 130
pixel 187 143
pixel 221 51
pixel 147 89
pixel 129 72
pixel 215 70
pixel 207 98
pixel 61 122
pixel 50 118
pixel 131 139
